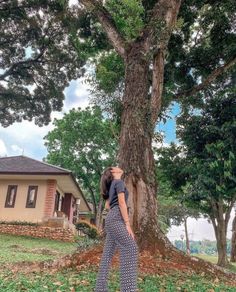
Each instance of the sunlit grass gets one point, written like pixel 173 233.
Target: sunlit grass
pixel 22 248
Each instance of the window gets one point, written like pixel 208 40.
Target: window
pixel 31 197
pixel 11 197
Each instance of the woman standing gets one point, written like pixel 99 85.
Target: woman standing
pixel 119 234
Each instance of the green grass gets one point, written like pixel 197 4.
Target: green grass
pixel 213 259
pixel 84 281
pixel 72 281
pixel 22 248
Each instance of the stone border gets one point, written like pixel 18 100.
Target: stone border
pixel 55 233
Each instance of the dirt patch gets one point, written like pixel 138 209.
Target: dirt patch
pixel 43 251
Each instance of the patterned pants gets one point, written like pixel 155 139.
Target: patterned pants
pixel 118 237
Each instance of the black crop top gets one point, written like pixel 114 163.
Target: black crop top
pixel 117 186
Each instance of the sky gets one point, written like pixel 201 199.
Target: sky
pixel 26 138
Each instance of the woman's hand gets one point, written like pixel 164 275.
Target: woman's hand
pixel 130 231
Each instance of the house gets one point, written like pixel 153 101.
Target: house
pixel 35 191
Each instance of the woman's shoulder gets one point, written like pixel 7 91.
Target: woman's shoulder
pixel 118 181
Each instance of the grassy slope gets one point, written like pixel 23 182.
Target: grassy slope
pixel 73 281
pixel 22 248
pixel 213 259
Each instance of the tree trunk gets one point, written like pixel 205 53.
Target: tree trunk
pixel 220 229
pixel 98 221
pixel 222 248
pixel 233 242
pixel 186 235
pixel 136 156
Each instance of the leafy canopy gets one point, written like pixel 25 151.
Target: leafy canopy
pixel 84 142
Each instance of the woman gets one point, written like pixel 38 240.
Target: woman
pixel 119 234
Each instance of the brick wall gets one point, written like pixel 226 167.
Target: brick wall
pixel 50 199
pixel 39 232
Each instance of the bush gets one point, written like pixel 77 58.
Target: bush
pixel 83 243
pixel 90 230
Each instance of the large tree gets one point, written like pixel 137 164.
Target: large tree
pixel 193 41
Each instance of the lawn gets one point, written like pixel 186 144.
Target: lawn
pixel 23 248
pixel 213 259
pixel 18 248
pixel 84 281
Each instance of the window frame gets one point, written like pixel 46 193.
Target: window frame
pixel 10 187
pixel 27 205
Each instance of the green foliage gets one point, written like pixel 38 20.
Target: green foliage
pixel 84 142
pixel 109 72
pixel 36 64
pixel 172 176
pixel 107 84
pixel 90 230
pixel 45 44
pixel 127 15
pixel 209 138
pixel 85 242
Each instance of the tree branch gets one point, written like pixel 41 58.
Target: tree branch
pixel 15 66
pixel 217 72
pixel 157 32
pixel 108 24
pixel 156 36
pixel 228 212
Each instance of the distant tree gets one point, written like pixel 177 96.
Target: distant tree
pixel 209 138
pixel 172 177
pixel 233 241
pixel 84 142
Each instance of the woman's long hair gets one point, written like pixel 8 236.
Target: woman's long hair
pixel 105 183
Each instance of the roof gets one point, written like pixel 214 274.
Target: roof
pixel 22 165
pixel 25 165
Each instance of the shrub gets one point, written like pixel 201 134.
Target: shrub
pixel 90 230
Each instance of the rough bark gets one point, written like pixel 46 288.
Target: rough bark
pixel 135 153
pixel 233 242
pixel 186 236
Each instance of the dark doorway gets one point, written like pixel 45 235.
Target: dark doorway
pixel 57 201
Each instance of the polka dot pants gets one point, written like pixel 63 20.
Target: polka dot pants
pixel 117 237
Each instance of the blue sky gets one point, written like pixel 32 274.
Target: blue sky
pixel 27 138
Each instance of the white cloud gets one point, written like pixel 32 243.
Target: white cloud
pixel 27 138
pixel 3 148
pixel 18 150
pixel 77 95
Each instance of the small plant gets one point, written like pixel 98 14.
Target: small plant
pixel 85 242
pixel 88 229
